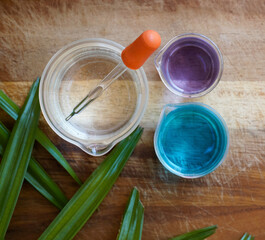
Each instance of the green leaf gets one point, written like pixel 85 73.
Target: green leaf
pixel 247 237
pixel 198 234
pixel 16 157
pixel 133 219
pixel 86 200
pixel 37 176
pixel 13 110
pixel 43 183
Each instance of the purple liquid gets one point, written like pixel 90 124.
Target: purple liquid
pixel 190 65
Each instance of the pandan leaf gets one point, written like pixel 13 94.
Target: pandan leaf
pixel 247 237
pixel 87 199
pixel 13 110
pixel 16 157
pixel 133 219
pixel 198 234
pixel 37 176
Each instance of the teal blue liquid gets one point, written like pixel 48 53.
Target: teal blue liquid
pixel 192 140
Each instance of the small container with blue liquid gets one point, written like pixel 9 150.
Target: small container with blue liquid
pixel 191 139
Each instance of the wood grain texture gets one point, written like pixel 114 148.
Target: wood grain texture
pixel 233 196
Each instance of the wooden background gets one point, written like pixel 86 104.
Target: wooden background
pixel 233 196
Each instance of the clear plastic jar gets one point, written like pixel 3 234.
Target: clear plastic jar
pixel 68 77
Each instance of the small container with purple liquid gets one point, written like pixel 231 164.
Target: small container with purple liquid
pixel 190 65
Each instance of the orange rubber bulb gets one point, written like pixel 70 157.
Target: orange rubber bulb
pixel 135 55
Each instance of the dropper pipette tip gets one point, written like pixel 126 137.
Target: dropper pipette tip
pixel 70 116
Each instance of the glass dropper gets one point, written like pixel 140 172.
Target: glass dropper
pixel 133 57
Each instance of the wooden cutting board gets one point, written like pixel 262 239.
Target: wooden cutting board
pixel 233 197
